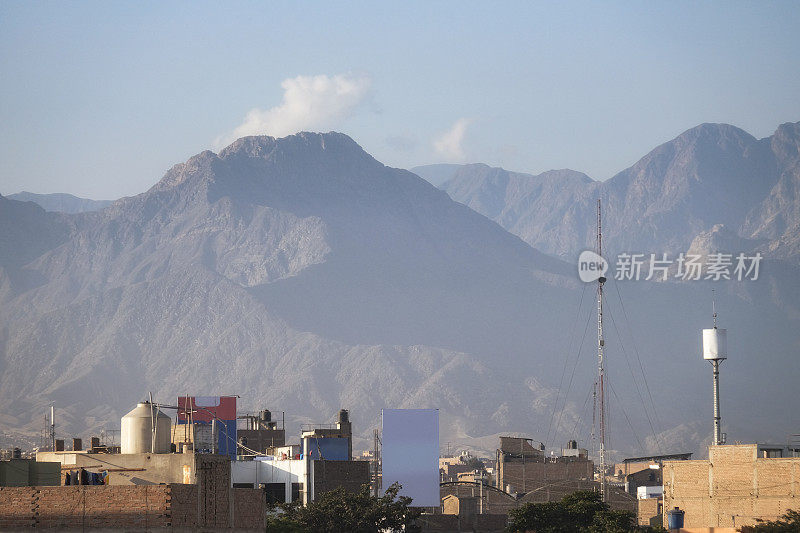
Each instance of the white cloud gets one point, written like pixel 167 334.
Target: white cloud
pixel 309 103
pixel 448 144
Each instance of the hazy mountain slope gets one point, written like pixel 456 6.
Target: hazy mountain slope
pixel 522 203
pixel 305 276
pixel 27 232
pixel 777 217
pixel 61 202
pixel 436 174
pixel 711 174
pixel 299 273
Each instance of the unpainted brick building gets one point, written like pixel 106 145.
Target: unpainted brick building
pixel 732 488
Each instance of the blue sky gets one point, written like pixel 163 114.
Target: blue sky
pixel 99 99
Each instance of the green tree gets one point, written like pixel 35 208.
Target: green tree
pixel 579 512
pixel 613 522
pixel 341 511
pixel 475 463
pixel 790 522
pixel 550 517
pixel 582 506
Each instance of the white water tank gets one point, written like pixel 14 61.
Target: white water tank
pixel 136 435
pixel 715 344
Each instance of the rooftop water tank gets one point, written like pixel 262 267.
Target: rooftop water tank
pixel 136 435
pixel 715 344
pixel 675 519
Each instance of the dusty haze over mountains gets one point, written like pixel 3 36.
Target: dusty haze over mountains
pixel 61 202
pixel 305 276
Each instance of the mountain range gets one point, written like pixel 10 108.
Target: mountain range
pixel 709 175
pixel 60 202
pixel 303 275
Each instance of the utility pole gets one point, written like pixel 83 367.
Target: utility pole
pixel 53 427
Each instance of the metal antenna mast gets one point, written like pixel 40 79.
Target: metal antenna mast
pixel 714 306
pixel 601 374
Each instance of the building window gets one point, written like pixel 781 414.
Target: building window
pixel 276 492
pixel 296 488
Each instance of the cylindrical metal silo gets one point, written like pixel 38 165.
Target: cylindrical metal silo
pixel 137 436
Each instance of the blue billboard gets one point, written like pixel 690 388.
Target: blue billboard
pixel 410 453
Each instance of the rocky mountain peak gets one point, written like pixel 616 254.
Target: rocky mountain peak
pixel 301 154
pixel 786 141
pixel 306 143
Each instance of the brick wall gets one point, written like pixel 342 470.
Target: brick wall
pixel 647 510
pixel 732 488
pixel 328 475
pixel 493 502
pixel 526 477
pixel 485 523
pixel 84 506
pixel 213 478
pixel 145 506
pixel 184 505
pixel 249 508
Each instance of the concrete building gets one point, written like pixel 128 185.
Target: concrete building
pixel 474 476
pixel 260 432
pixel 283 480
pixel 319 438
pixel 523 468
pixel 733 488
pixel 133 468
pixel 490 499
pixel 642 478
pixel 572 450
pixel 511 459
pixel 451 468
pixel 286 479
pixel 452 471
pixel 524 473
pixel 774 451
pixel 461 514
pixel 632 465
pixel 320 463
pixel 649 478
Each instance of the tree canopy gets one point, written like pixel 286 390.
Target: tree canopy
pixel 790 522
pixel 579 512
pixel 339 511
